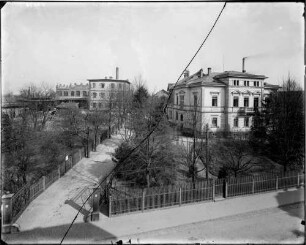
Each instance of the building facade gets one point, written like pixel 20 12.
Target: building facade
pixel 224 101
pixel 102 92
pixel 73 93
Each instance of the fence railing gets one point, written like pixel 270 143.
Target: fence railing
pixel 126 200
pixel 23 197
pixel 28 193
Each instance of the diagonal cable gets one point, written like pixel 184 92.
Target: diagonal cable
pixel 150 133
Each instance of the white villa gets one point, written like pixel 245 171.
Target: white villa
pixel 225 101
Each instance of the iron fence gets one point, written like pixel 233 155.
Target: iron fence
pixel 126 200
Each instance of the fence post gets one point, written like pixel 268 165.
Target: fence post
pixel 109 205
pixel 225 188
pixel 213 190
pixel 253 185
pixel 6 210
pixel 44 182
pixel 180 197
pixel 143 200
pixel 95 204
pixel 276 183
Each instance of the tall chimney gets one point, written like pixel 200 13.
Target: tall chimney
pixel 243 60
pixel 208 71
pixel 117 73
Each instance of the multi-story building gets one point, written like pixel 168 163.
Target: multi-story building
pixel 73 93
pixel 224 101
pixel 105 91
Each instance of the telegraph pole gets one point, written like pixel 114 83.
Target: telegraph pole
pixel 206 148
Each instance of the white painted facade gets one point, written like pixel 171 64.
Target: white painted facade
pixel 222 103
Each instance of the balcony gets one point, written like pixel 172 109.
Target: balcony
pixel 246 110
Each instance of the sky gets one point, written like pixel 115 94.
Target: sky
pixel 55 43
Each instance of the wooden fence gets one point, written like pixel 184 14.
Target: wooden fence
pixel 125 200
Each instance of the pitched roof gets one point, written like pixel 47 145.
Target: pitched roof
pixel 240 75
pixel 199 78
pixel 272 86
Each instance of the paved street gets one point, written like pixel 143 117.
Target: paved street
pixel 273 225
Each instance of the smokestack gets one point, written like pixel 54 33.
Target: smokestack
pixel 117 73
pixel 186 73
pixel 243 60
pixel 208 71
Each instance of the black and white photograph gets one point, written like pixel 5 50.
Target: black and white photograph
pixel 152 122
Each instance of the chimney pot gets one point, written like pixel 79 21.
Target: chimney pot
pixel 208 71
pixel 117 73
pixel 186 73
pixel 243 61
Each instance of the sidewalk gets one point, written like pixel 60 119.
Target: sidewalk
pixel 108 230
pixel 124 225
pixel 49 208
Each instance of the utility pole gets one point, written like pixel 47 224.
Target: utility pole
pixel 207 159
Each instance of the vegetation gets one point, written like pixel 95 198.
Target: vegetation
pixel 278 130
pixel 152 162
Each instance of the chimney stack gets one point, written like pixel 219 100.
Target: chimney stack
pixel 186 73
pixel 243 61
pixel 208 71
pixel 117 73
pixel 201 72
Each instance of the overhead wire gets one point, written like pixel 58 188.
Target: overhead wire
pixel 111 174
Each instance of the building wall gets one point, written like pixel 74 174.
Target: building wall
pixel 72 91
pixel 220 116
pixel 102 91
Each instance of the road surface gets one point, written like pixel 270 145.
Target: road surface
pixel 273 225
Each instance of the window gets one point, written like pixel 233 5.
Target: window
pixel 256 102
pixel 181 99
pixel 195 99
pixel 246 102
pixel 59 93
pixel 236 122
pixel 72 93
pixel 78 93
pixel 84 93
pixel 214 101
pixel 246 122
pixel 236 101
pixel 170 114
pixel 93 85
pixel 246 83
pixel 176 116
pixel 94 105
pixel 102 85
pixel 182 117
pixel 94 95
pixel 214 122
pixel 236 82
pixel 112 85
pixel 177 99
pixel 256 83
pixel 100 105
pixel 102 95
pixel 120 86
pixel 65 93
